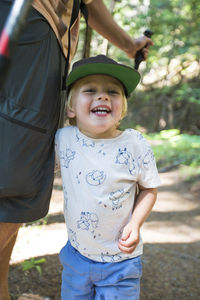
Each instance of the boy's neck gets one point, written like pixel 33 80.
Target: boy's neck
pixel 102 135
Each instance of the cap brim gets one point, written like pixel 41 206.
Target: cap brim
pixel 127 76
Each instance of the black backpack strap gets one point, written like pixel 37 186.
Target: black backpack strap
pixel 84 11
pixel 77 5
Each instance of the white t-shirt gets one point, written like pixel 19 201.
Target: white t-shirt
pixel 99 183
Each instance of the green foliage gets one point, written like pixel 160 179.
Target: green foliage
pixel 176 24
pixel 39 222
pixel 172 147
pixel 186 92
pixel 33 263
pixel 164 134
pixel 173 61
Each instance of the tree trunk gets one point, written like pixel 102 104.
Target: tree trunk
pixel 170 114
pixel 87 43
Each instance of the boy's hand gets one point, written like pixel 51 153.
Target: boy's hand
pixel 130 239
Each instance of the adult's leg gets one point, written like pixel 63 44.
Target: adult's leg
pixel 8 235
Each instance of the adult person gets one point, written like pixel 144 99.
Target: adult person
pixel 30 106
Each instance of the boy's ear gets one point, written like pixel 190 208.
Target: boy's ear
pixel 70 113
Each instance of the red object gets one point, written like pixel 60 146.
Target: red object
pixel 4 42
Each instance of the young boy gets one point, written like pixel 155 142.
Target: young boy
pixel 101 168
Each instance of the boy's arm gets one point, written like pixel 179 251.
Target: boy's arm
pixel 100 19
pixel 144 204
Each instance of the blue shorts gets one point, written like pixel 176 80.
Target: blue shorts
pixel 86 279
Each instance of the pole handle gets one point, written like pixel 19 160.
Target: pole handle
pixel 139 55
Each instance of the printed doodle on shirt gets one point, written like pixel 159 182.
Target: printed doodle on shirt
pixel 84 142
pixel 88 221
pixel 116 198
pixel 148 159
pixel 140 136
pixel 106 257
pixel 66 157
pixel 96 177
pixel 65 196
pixel 73 238
pixel 101 151
pixel 124 157
pixel 78 176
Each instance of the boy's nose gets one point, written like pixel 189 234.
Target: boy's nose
pixel 103 96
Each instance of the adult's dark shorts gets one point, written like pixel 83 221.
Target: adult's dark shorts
pixel 29 114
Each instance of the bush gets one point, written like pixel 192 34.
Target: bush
pixel 172 147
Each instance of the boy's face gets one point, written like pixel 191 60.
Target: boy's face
pixel 97 102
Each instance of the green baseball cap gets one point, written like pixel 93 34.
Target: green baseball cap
pixel 102 64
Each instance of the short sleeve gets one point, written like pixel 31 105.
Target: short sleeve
pixel 148 173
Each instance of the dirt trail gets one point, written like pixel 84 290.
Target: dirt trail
pixel 171 235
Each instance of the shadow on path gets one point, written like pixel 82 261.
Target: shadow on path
pixel 170 272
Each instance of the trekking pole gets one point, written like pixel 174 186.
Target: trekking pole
pixel 10 34
pixel 139 55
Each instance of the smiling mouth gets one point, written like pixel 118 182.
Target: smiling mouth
pixel 101 110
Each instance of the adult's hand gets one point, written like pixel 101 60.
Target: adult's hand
pixel 142 43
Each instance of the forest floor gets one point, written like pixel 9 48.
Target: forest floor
pixel 171 235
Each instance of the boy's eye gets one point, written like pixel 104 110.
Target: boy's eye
pixel 113 92
pixel 89 90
